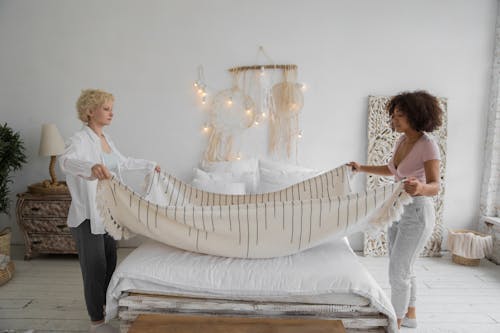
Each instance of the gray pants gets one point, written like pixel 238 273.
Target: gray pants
pixel 407 239
pixel 97 255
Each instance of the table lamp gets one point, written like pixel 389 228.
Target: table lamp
pixel 51 144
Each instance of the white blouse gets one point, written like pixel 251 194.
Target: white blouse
pixel 83 151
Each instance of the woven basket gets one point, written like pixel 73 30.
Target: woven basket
pixel 465 261
pixel 468 251
pixel 5 235
pixel 7 273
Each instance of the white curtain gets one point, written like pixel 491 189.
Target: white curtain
pixel 490 189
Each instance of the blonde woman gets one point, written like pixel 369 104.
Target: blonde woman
pixel 91 155
pixel 416 157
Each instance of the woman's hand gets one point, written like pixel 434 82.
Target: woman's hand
pixel 100 172
pixel 356 167
pixel 413 186
pixel 158 168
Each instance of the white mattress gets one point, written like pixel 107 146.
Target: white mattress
pixel 327 274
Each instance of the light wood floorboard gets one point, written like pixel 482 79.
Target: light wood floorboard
pixel 46 295
pixel 450 298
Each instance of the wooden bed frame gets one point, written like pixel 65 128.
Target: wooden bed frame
pixel 354 318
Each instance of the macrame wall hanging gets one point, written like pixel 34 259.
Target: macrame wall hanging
pixel 284 118
pixel 259 93
pixel 381 140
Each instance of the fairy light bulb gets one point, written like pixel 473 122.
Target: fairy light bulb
pixel 303 87
pixel 204 100
pixel 195 84
pixel 249 112
pixel 262 71
pixel 238 156
pixel 206 128
pixel 230 101
pixel 299 135
pixel 256 123
pixel 263 115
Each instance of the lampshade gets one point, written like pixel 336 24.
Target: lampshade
pixel 51 142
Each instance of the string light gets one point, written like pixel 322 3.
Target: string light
pixel 255 113
pixel 200 86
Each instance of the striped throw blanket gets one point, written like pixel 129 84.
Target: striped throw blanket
pixel 248 226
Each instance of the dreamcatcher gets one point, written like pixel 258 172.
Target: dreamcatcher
pixel 258 93
pixel 231 112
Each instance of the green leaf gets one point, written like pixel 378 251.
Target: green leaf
pixel 12 158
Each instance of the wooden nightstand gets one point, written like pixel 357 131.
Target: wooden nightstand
pixel 42 219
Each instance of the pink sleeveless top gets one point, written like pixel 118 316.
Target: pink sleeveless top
pixel 425 149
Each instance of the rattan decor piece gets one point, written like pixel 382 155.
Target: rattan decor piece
pixel 7 273
pixel 5 236
pixel 465 261
pixel 468 246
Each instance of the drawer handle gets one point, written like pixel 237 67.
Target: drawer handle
pixel 35 209
pixel 61 226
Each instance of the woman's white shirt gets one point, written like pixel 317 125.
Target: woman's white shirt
pixel 82 152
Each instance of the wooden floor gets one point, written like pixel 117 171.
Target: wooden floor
pixel 46 295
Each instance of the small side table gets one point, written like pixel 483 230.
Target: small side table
pixel 492 227
pixel 42 220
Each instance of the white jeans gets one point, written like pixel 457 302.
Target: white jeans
pixel 407 239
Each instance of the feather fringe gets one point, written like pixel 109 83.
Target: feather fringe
pixel 392 211
pixel 111 225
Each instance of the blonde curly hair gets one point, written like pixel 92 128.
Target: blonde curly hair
pixel 89 100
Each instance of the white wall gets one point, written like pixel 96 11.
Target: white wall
pixel 146 53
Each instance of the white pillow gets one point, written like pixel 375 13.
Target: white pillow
pixel 223 176
pixel 275 176
pixel 219 187
pixel 234 167
pixel 243 171
pixel 282 167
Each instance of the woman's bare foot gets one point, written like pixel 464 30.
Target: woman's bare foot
pixel 412 312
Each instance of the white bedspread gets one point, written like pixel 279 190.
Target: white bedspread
pixel 326 274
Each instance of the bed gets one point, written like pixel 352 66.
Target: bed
pixel 326 282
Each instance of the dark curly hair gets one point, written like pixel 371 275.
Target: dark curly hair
pixel 421 108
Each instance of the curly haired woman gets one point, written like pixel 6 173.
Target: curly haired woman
pixel 415 157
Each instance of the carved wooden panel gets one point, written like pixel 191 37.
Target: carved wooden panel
pixel 381 140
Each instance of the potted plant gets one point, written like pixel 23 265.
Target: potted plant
pixel 12 158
